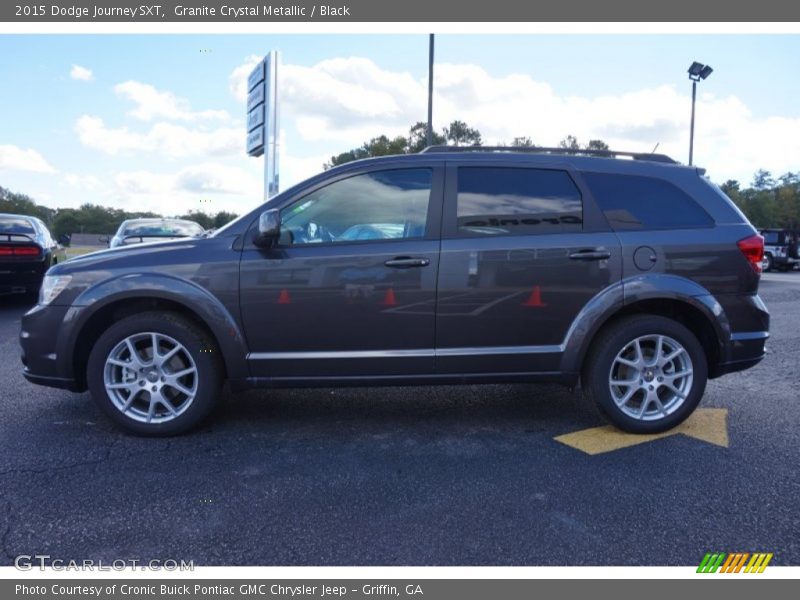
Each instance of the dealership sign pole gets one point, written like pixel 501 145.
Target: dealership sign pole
pixel 263 135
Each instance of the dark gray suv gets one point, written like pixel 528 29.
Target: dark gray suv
pixel 628 273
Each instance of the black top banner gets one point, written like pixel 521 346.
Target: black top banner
pixel 402 11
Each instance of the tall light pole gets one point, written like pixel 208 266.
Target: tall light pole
pixel 430 90
pixel 697 72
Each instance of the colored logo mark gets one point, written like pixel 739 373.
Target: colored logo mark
pixel 734 562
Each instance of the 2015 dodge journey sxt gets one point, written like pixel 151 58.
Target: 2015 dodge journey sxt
pixel 637 278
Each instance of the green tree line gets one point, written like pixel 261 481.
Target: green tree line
pixel 767 201
pixel 93 218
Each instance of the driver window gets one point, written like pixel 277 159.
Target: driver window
pixel 381 205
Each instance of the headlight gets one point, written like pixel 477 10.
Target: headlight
pixel 52 286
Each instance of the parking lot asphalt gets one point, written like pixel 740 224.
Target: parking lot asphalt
pixel 455 475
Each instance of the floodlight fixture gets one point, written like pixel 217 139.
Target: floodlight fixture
pixel 697 72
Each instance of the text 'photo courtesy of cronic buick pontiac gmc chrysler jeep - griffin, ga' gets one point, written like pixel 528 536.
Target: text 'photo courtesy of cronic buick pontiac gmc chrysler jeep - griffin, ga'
pixel 629 276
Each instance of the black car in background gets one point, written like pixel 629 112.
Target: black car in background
pixel 627 274
pixel 27 250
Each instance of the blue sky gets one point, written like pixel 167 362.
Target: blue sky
pixel 155 122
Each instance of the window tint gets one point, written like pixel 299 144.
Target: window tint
pixel 635 202
pixel 510 201
pixel 163 228
pixel 16 225
pixel 770 237
pixel 374 206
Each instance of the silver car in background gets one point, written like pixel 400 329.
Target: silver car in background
pixel 138 231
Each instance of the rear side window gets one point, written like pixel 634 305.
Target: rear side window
pixel 632 202
pixel 512 201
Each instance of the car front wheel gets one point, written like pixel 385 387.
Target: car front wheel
pixel 647 373
pixel 155 374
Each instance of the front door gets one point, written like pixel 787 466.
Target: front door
pixel 350 289
pixel 523 251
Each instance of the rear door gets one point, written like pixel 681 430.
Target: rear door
pixel 523 251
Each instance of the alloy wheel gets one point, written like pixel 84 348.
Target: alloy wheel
pixel 150 377
pixel 651 377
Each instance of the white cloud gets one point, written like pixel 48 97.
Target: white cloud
pixel 80 73
pixel 19 159
pixel 209 186
pixel 210 178
pixel 151 103
pixel 342 102
pixel 343 99
pixel 165 139
pixel 237 82
pixel 83 182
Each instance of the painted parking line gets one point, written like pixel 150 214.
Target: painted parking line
pixel 706 424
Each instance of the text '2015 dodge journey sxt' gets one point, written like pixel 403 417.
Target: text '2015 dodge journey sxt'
pixel 634 276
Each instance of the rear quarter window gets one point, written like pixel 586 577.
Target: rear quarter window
pixel 634 202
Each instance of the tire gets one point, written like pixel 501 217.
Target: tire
pixel 767 263
pixel 147 399
pixel 664 406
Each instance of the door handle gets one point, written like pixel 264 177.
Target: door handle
pixel 590 255
pixel 406 262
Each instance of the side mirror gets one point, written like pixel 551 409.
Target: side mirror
pixel 269 228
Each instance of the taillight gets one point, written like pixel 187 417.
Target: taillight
pixel 20 251
pixel 753 249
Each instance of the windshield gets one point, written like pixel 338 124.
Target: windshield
pixel 16 225
pixel 163 229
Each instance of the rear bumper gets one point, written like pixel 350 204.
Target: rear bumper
pixel 21 276
pixel 746 350
pixel 785 260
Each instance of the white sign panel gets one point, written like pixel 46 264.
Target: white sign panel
pixel 255 118
pixel 256 76
pixel 255 97
pixel 255 141
pixel 262 118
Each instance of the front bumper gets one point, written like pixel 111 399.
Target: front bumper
pixel 54 382
pixel 38 339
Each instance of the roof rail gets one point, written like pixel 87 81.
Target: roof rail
pixel 663 158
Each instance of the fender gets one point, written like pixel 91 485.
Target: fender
pixel 155 285
pixel 629 291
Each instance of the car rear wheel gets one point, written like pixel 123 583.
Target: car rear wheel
pixel 646 373
pixel 766 262
pixel 155 374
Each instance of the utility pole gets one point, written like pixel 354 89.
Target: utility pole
pixel 430 90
